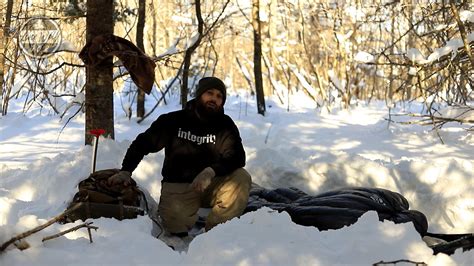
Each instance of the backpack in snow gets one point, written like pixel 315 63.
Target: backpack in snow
pixel 96 198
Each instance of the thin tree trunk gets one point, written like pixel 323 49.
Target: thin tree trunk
pixel 3 41
pixel 391 82
pixel 140 28
pixel 257 57
pixel 462 31
pixel 11 82
pixel 99 85
pixel 244 72
pixel 189 53
pixel 411 88
pixel 153 12
pixel 2 67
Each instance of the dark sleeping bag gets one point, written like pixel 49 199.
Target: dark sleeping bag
pixel 338 208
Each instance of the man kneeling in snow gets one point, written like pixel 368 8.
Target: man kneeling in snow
pixel 203 161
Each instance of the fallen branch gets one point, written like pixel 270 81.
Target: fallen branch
pixel 87 225
pixel 397 261
pixel 38 228
pixel 434 119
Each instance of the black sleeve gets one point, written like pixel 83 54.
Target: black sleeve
pixel 152 140
pixel 232 154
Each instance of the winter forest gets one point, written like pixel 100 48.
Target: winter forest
pixel 327 95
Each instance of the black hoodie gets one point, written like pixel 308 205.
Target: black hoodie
pixel 191 144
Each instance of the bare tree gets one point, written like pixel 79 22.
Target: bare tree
pixel 140 27
pixel 99 85
pixel 257 56
pixel 203 31
pixel 189 53
pixel 3 41
pixel 307 46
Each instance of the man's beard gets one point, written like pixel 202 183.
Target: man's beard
pixel 208 110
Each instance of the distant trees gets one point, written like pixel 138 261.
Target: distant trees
pixel 428 57
pixel 334 52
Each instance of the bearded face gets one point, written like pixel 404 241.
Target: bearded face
pixel 210 103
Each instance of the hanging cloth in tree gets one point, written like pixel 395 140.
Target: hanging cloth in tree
pixel 138 64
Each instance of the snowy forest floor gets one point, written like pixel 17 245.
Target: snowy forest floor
pixel 307 148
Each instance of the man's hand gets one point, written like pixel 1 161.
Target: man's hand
pixel 203 179
pixel 122 177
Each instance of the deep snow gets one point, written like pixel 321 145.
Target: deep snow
pixel 311 149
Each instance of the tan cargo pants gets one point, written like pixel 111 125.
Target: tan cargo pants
pixel 226 195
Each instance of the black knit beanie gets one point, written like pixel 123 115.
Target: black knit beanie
pixel 208 83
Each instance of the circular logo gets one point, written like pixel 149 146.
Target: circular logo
pixel 39 37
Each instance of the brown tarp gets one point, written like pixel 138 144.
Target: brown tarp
pixel 138 64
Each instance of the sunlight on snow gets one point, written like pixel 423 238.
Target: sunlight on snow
pixel 251 153
pixel 441 260
pixel 345 144
pixel 232 252
pixel 417 250
pixel 330 124
pixel 244 262
pixel 391 230
pixel 377 155
pixel 457 179
pixel 78 234
pixel 430 175
pixel 5 206
pixel 270 254
pixel 463 212
pixel 147 169
pixel 26 192
pixel 466 209
pixel 316 179
pixel 29 221
pixel 155 189
pixel 419 144
pixel 357 116
pixel 28 150
pixel 307 259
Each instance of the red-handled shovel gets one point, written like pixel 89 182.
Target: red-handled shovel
pixel 96 133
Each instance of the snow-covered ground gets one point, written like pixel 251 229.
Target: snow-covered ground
pixel 311 149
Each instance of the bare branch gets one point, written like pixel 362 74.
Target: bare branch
pixel 86 225
pixel 38 228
